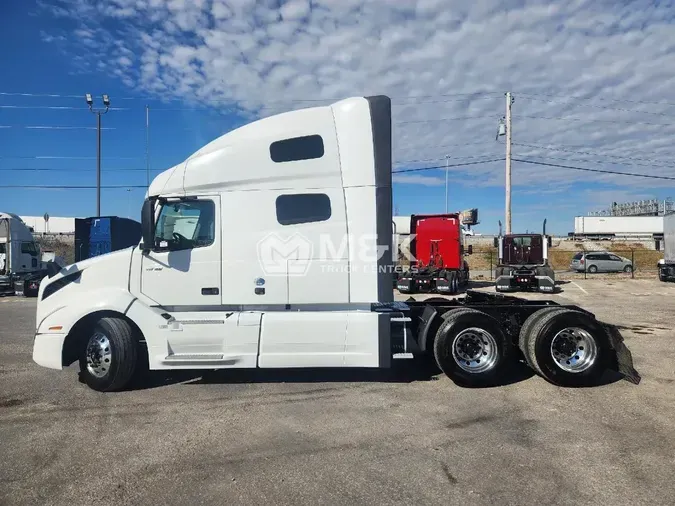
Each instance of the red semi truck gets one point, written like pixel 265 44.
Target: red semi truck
pixel 437 248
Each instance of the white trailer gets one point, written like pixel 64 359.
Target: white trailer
pixel 618 226
pixel 290 265
pixel 666 265
pixel 19 252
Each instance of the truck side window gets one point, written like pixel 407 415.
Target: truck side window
pixel 302 208
pixel 29 248
pixel 307 147
pixel 186 225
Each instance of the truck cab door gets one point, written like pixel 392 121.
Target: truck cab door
pixel 184 267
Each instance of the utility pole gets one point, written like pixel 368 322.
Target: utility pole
pixel 446 183
pixel 99 113
pixel 509 101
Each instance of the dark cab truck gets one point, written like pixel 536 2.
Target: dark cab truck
pixel 523 262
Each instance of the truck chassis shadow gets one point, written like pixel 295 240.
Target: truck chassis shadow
pixel 408 372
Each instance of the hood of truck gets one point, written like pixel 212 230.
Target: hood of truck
pixel 109 270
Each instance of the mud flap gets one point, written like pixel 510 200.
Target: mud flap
pixel 623 357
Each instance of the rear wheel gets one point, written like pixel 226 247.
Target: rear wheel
pixel 454 280
pixel 566 347
pixel 592 269
pixel 470 348
pixel 109 356
pixel 525 332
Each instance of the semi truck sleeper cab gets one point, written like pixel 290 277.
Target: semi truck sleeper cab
pixel 233 271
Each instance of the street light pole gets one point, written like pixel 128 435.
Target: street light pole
pixel 99 113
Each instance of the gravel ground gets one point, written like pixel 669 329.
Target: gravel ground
pixel 315 437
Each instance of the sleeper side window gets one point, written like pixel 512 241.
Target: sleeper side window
pixel 302 208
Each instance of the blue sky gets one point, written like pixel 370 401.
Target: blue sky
pixel 593 87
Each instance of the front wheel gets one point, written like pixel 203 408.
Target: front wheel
pixel 628 269
pixel 109 356
pixel 470 347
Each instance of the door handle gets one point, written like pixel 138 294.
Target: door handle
pixel 210 291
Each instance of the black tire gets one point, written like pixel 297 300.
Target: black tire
pixel 453 283
pixel 592 269
pixel 538 339
pixel 455 322
pixel 662 275
pixel 122 350
pixel 525 332
pixel 628 269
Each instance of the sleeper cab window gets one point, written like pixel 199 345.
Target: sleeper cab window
pixel 299 208
pixel 295 149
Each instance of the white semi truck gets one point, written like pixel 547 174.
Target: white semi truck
pixel 20 256
pixel 290 265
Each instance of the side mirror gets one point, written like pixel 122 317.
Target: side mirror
pixel 148 224
pixel 470 249
pixel 496 242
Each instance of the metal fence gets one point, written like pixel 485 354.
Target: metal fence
pixel 622 262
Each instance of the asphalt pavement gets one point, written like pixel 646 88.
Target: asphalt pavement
pixel 351 437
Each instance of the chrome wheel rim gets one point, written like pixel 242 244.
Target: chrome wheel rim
pixel 475 350
pixel 99 355
pixel 574 350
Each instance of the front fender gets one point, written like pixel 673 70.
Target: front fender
pixel 80 305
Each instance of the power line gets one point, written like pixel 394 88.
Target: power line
pixel 443 158
pixel 289 100
pixel 49 157
pixel 632 174
pixel 447 166
pixel 573 97
pixel 567 118
pixel 588 153
pixel 55 127
pixel 618 162
pixel 461 118
pixel 58 107
pixel 549 100
pixel 71 187
pixel 32 169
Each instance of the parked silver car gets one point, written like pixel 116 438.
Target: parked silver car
pixel 600 261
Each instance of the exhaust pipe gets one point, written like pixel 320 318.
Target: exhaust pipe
pixel 544 232
pixel 500 228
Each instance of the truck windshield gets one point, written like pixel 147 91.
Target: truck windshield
pixel 522 241
pixel 185 225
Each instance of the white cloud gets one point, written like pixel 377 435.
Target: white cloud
pixel 585 74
